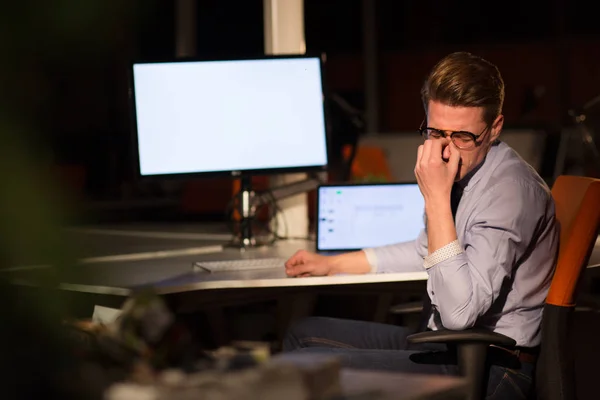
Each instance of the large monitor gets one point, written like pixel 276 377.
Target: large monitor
pixel 229 117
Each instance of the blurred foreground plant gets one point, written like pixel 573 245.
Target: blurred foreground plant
pixel 38 39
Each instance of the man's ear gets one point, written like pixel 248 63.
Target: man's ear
pixel 496 127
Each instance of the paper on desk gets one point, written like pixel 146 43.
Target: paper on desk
pixel 105 315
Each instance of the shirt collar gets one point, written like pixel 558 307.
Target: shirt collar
pixel 472 176
pixel 467 178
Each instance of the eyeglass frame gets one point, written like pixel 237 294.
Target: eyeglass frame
pixel 473 136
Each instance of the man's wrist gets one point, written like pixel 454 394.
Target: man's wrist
pixel 440 224
pixel 349 263
pixel 335 264
pixel 438 207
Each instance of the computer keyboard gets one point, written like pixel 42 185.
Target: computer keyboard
pixel 240 265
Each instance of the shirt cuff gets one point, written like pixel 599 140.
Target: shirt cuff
pixel 442 254
pixel 372 259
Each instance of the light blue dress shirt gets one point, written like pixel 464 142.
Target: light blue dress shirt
pixel 500 275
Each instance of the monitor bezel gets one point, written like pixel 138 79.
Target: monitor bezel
pixel 219 174
pixel 346 184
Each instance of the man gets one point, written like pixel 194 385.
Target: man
pixel 489 246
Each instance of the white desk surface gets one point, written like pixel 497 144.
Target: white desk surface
pixel 126 257
pixel 275 278
pixel 176 275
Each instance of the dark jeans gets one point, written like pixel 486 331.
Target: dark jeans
pixel 373 346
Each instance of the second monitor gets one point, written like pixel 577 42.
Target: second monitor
pixel 357 216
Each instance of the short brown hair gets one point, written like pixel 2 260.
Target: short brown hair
pixel 465 80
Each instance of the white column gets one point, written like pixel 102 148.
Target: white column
pixel 185 28
pixel 284 34
pixel 284 26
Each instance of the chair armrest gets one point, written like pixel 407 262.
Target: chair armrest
pixel 473 335
pixel 471 347
pixel 407 308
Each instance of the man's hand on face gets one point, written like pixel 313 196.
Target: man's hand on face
pixel 436 168
pixel 305 263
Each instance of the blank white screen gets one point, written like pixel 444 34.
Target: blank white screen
pixel 357 217
pixel 238 115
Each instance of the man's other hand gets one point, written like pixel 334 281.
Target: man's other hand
pixel 436 169
pixel 304 263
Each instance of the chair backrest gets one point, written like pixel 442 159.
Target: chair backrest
pixel 577 201
pixel 370 162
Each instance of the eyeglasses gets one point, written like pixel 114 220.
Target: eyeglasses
pixel 462 139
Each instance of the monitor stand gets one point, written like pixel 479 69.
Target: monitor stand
pixel 245 205
pixel 246 201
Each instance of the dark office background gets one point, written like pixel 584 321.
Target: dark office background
pixel 64 92
pixel 70 60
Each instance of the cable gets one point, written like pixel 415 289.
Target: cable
pixel 268 228
pixel 258 227
pixel 275 205
pixel 277 210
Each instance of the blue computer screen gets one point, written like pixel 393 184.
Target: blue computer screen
pixel 361 216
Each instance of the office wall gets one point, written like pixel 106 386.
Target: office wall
pixel 524 66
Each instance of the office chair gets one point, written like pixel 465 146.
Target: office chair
pixel 368 163
pixel 577 202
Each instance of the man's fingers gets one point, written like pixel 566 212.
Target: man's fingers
pixel 454 159
pixel 426 152
pixel 420 152
pixel 297 258
pixel 446 152
pixel 300 270
pixel 454 152
pixel 437 148
pixel 419 156
pixel 418 163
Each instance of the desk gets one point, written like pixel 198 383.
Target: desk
pixel 188 291
pixel 120 258
pixel 109 273
pixel 395 386
pixel 372 384
pixel 116 260
pixel 272 278
pixel 119 273
pixel 297 295
pixel 353 384
pixel 165 255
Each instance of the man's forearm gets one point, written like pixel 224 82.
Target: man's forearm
pixel 350 263
pixel 440 225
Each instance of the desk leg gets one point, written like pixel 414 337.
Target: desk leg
pixel 384 303
pixel 291 308
pixel 218 326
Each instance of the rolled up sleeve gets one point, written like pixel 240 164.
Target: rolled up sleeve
pixel 464 284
